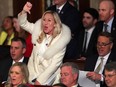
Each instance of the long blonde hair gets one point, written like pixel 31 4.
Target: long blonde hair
pixel 58 26
pixel 24 71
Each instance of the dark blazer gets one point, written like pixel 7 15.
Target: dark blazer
pixel 91 62
pixel 91 46
pixel 69 15
pixel 4 52
pixel 99 27
pixel 5 66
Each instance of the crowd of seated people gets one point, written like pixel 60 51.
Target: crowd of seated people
pixel 99 50
pixel 10 28
pixel 7 31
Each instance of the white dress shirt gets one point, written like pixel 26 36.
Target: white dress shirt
pixel 104 63
pixel 89 33
pixel 75 85
pixel 21 60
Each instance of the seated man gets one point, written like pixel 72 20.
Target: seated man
pixel 110 74
pixel 69 74
pixel 95 64
pixel 17 49
pixel 88 35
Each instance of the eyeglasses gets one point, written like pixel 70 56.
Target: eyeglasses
pixel 103 44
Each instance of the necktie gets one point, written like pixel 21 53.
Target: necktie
pixel 105 28
pixel 58 10
pixel 99 66
pixel 85 42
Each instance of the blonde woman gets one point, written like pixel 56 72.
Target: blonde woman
pixel 50 38
pixel 18 74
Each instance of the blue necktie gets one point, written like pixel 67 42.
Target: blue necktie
pixel 105 28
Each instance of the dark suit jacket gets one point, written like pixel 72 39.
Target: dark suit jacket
pixel 4 52
pixel 99 27
pixel 91 46
pixel 91 62
pixel 69 15
pixel 5 66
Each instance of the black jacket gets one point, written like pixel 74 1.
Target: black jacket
pixel 5 66
pixel 69 15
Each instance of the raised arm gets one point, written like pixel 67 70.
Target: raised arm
pixel 27 7
pixel 22 18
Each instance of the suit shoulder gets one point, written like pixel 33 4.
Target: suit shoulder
pixel 53 7
pixel 26 59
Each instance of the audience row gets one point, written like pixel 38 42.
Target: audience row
pixel 58 36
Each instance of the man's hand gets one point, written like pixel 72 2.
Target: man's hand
pixel 94 76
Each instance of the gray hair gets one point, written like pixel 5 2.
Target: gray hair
pixel 74 67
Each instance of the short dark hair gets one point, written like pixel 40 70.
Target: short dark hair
pixel 93 12
pixel 20 39
pixel 110 66
pixel 108 35
pixel 59 84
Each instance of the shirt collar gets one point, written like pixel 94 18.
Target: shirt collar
pixel 90 30
pixel 21 60
pixel 105 57
pixel 75 85
pixel 110 22
pixel 60 8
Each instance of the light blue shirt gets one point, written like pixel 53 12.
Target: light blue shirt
pixel 109 25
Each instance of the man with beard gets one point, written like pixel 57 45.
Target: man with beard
pixel 88 35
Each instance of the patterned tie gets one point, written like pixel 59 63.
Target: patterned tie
pixel 105 28
pixel 99 66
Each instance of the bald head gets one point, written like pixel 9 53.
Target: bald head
pixel 106 10
pixel 109 3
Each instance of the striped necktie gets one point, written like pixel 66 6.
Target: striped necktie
pixel 99 66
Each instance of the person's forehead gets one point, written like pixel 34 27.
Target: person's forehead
pixel 68 68
pixel 110 72
pixel 103 38
pixel 104 4
pixel 16 43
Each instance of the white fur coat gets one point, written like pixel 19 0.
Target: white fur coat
pixel 53 56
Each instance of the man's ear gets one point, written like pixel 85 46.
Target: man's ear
pixel 24 50
pixel 112 11
pixel 75 76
